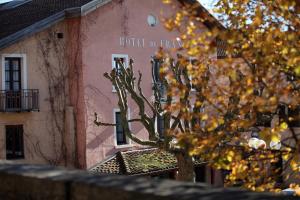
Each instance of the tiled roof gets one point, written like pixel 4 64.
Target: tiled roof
pixel 138 162
pixel 147 161
pixel 13 20
pixel 34 15
pixel 108 166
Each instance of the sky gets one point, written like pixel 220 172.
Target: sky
pixel 3 1
pixel 207 3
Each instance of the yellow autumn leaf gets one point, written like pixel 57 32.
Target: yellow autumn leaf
pixel 230 156
pixel 295 165
pixel 275 138
pixel 297 70
pixel 221 121
pixel 285 51
pixel 204 117
pixel 285 156
pixel 283 126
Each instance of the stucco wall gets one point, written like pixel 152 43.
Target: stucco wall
pixel 41 138
pixel 105 32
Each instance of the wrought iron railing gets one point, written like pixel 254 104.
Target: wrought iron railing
pixel 19 101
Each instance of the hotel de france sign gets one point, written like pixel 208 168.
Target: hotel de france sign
pixel 145 43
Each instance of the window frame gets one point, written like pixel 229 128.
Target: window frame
pixel 11 72
pixel 128 144
pixel 23 70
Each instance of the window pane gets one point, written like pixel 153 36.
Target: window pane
pixel 160 125
pixel 12 74
pixel 6 64
pixel 7 78
pixel 16 76
pixel 118 117
pixel 294 116
pixel 120 134
pixel 9 141
pixel 117 66
pixel 120 59
pixel 14 142
pixel 7 85
pixel 119 127
pixel 156 68
pixel 118 69
pixel 19 141
pixel 121 138
pixel 15 64
pixel 16 86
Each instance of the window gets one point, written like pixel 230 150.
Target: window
pixel 200 173
pixel 120 133
pixel 289 114
pixel 13 82
pixel 196 123
pixel 293 113
pixel 116 65
pixel 263 119
pixel 157 82
pixel 14 72
pixel 160 125
pixel 14 142
pixel 156 63
pixel 122 59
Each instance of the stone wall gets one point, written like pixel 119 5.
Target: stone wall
pixel 37 182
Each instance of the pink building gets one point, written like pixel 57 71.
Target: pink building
pixel 53 56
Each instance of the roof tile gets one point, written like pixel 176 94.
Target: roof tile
pixel 16 19
pixel 138 162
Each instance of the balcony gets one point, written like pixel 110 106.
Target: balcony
pixel 19 101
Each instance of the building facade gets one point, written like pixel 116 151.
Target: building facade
pixel 53 57
pixel 52 72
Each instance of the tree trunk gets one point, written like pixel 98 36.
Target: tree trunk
pixel 186 171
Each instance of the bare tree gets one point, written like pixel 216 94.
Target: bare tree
pixel 127 85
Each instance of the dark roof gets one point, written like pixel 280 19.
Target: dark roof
pixel 108 166
pixel 147 161
pixel 36 15
pixel 13 20
pixel 138 162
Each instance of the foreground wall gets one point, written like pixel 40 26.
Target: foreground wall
pixel 48 183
